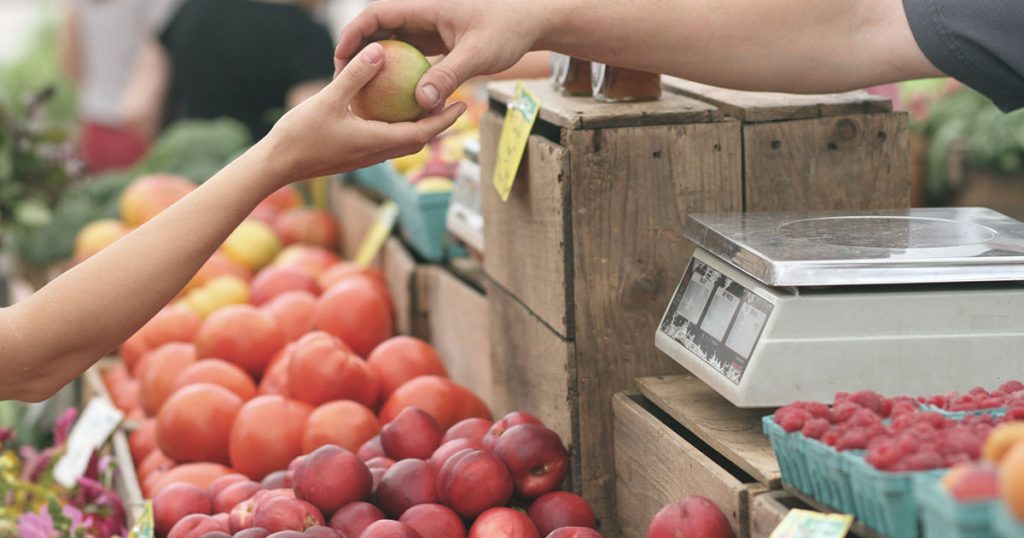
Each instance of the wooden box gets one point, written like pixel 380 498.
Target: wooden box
pixel 584 255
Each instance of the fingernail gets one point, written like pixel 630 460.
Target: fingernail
pixel 430 92
pixel 373 53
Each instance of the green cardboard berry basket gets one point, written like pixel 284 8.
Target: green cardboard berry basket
pixel 1004 524
pixel 830 471
pixel 422 221
pixel 790 450
pixel 996 412
pixel 942 516
pixel 886 501
pixel 379 178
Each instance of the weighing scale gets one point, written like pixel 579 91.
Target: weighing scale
pixel 780 307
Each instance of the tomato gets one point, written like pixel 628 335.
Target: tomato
pixel 342 270
pixel 241 334
pixel 319 371
pixel 445 400
pixel 293 312
pixel 344 423
pixel 357 312
pixel 275 280
pixel 160 368
pixel 123 388
pixel 195 423
pixel 175 323
pixel 308 226
pixel 218 372
pixel 132 350
pixel 218 265
pixel 200 475
pixel 402 358
pixel 267 435
pixel 312 259
pixel 155 462
pixel 282 199
pixel 275 381
pixel 142 440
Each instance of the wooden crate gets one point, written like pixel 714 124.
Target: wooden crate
pixel 403 279
pixel 658 462
pixel 589 245
pixel 355 210
pixel 768 510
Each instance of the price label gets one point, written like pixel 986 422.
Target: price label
pixel 143 527
pixel 519 119
pixel 90 432
pixel 377 234
pixel 808 524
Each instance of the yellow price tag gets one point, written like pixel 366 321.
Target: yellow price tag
pixel 377 234
pixel 320 189
pixel 519 119
pixel 809 524
pixel 143 527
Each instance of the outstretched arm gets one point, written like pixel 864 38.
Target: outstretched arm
pixel 55 335
pixel 804 46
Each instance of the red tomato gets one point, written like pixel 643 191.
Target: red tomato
pixel 218 372
pixel 195 423
pixel 320 371
pixel 343 423
pixel 159 370
pixel 293 312
pixel 200 475
pixel 267 435
pixel 445 400
pixel 142 440
pixel 241 334
pixel 355 311
pixel 402 358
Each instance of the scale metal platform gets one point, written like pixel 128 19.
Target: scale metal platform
pixel 780 307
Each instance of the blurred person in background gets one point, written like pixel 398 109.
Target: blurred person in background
pixel 99 41
pixel 244 59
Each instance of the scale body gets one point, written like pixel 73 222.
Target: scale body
pixel 774 308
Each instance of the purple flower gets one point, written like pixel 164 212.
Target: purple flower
pixel 31 525
pixel 62 428
pixel 6 434
pixel 106 509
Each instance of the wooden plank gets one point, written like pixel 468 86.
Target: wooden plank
pixel 757 107
pixel 532 368
pixel 458 328
pixel 635 187
pixel 734 432
pixel 399 269
pixel 767 511
pixel 126 482
pixel 655 466
pixel 355 213
pixel 527 236
pixel 844 162
pixel 587 113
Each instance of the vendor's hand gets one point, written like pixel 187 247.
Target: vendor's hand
pixel 321 136
pixel 478 37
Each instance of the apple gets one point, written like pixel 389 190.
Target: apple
pixel 471 428
pixel 560 509
pixel 434 521
pixel 412 434
pixel 504 523
pixel 282 514
pixel 235 493
pixel 175 502
pixel 391 95
pixel 353 518
pixel 535 457
pixel 387 528
pixel 514 418
pixel 451 448
pixel 472 481
pixel 692 516
pixel 331 477
pixel 574 532
pixel 195 525
pixel 252 532
pixel 406 484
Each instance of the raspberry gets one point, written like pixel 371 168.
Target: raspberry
pixel 854 439
pixel 923 461
pixel 884 455
pixel 936 420
pixel 979 391
pixel 816 409
pixel 1011 386
pixel 844 410
pixel 950 460
pixel 792 420
pixel 902 408
pixel 865 417
pixel 1013 414
pixel 830 438
pixel 815 428
pixel 869 399
pixel 841 396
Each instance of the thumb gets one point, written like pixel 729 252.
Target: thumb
pixel 358 71
pixel 441 80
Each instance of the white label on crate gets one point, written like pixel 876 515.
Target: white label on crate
pixel 719 315
pixel 92 429
pixel 746 330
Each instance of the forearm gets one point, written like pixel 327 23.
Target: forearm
pixel 89 310
pixel 804 46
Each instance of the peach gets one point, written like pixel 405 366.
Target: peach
pixel 451 448
pixel 472 481
pixel 282 199
pixel 471 428
pixel 386 528
pixel 252 532
pixel 412 434
pixel 380 463
pixel 1011 480
pixel 971 482
pixel 560 509
pixel 240 334
pixel 352 519
pixel 175 502
pixel 575 532
pixel 235 493
pixel 148 195
pixel 504 523
pixel 281 514
pixel 405 484
pixel 307 226
pixel 535 457
pixel 293 312
pixel 196 526
pixel 514 418
pixel 331 477
pixel 320 531
pixel 344 423
pixel 276 480
pixel 96 236
pixel 1000 440
pixel 315 260
pixel 693 516
pixel 223 482
pixel 273 281
pixel 371 449
pixel 434 521
pixel 391 95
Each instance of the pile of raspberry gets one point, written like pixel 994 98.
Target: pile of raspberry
pixel 896 433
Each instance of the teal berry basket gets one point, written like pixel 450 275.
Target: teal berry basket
pixel 422 221
pixel 942 516
pixel 1004 524
pixel 995 412
pixel 790 450
pixel 886 501
pixel 379 178
pixel 830 473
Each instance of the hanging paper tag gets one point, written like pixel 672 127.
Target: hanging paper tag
pixel 97 422
pixel 809 524
pixel 377 234
pixel 519 119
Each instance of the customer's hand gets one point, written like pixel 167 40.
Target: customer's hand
pixel 478 37
pixel 322 136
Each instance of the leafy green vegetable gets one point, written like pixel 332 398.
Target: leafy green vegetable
pixel 196 149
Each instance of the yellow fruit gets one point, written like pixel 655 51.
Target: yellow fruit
pixel 253 244
pixel 1011 480
pixel 96 236
pixel 405 163
pixel 434 184
pixel 1001 440
pixel 216 294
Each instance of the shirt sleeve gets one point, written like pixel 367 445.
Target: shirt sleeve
pixel 312 56
pixel 978 42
